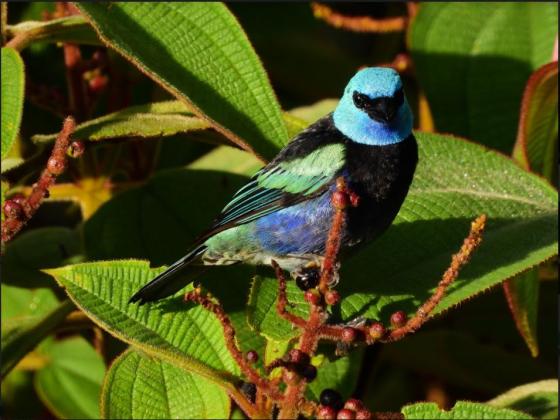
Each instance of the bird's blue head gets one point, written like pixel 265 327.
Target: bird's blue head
pixel 373 109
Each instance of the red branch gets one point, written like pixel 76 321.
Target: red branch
pixel 56 165
pixel 229 333
pixel 359 23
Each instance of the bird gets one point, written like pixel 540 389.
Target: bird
pixel 282 215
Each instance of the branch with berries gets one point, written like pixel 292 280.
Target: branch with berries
pixel 265 395
pixel 19 209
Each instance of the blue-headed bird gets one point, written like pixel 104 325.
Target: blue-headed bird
pixel 284 212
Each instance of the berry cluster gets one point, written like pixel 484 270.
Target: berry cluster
pixel 333 407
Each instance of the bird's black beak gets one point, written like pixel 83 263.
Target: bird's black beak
pixel 381 109
pixel 385 109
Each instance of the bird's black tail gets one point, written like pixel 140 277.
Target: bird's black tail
pixel 173 279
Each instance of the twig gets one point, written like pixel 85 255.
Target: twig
pixel 283 299
pixel 458 260
pixel 229 334
pixel 21 212
pixel 359 23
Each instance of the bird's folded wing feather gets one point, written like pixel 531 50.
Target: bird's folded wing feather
pixel 281 184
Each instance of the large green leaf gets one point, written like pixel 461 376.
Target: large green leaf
pixel 70 383
pixel 461 410
pixel 140 387
pixel 455 182
pixel 36 249
pixel 473 59
pixel 186 335
pixel 158 119
pixel 13 82
pixel 461 360
pixel 198 52
pixel 539 399
pixel 159 220
pixel 537 137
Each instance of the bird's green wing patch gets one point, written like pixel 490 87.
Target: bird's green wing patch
pixel 307 174
pixel 284 183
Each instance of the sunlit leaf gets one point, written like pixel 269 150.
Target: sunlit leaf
pixel 13 82
pixel 140 387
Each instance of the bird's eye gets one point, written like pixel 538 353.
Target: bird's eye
pixel 399 97
pixel 360 100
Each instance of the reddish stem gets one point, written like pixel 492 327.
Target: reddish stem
pixel 57 163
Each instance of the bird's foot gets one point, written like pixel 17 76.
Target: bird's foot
pixel 335 276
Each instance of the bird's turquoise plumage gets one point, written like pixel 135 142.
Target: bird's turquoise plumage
pixel 284 212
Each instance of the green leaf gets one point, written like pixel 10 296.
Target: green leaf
pixel 463 361
pixel 73 29
pixel 472 73
pixel 70 383
pixel 340 374
pixel 188 336
pixel 536 147
pixel 312 113
pixel 522 295
pixel 228 159
pixel 20 339
pixel 4 187
pixel 140 387
pixel 13 82
pixel 539 399
pixel 461 410
pixel 455 182
pixel 11 163
pixel 132 224
pixel 20 305
pixel 198 52
pixel 159 119
pixel 36 249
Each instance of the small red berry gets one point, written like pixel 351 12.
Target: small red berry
pixel 340 200
pixel 252 356
pixel 326 413
pixel 299 357
pixel 312 297
pixel 55 166
pixel 398 319
pixel 76 149
pixel 98 83
pixel 353 404
pixel 363 415
pixel 12 209
pixel 376 330
pixel 345 414
pixel 18 198
pixel 349 335
pixel 332 297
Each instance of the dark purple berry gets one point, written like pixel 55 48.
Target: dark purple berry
pixel 249 390
pixel 308 279
pixel 331 398
pixel 309 372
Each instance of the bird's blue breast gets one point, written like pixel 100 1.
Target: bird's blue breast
pixel 299 229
